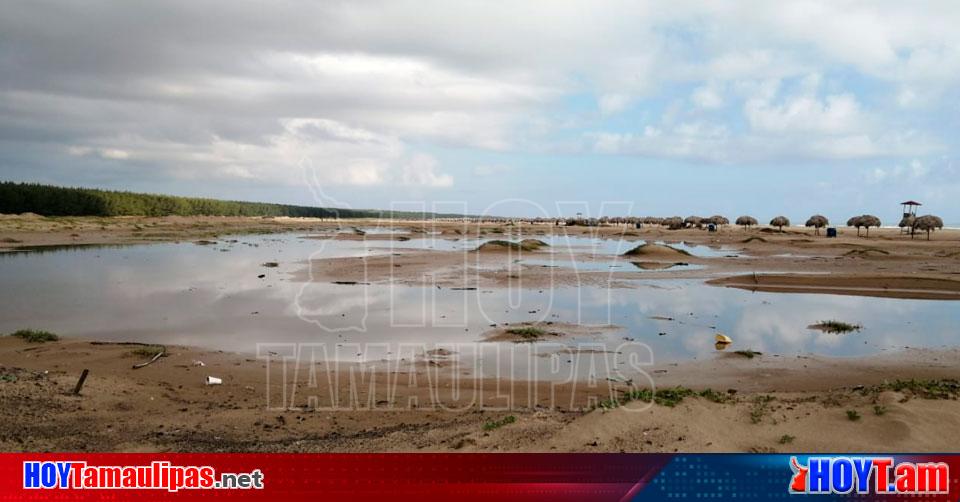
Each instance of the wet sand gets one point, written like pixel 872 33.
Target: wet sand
pixel 166 406
pixel 887 286
pixel 884 253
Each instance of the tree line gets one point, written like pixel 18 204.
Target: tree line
pixel 49 200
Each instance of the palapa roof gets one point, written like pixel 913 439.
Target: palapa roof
pixel 911 203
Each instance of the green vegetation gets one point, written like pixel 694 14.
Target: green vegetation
pixel 749 354
pixel 853 415
pixel 879 410
pixel 496 424
pixel 672 397
pixel 35 336
pixel 712 395
pixel 786 439
pixel 528 332
pixel 926 389
pixel 48 200
pixel 836 327
pixel 759 409
pixel 664 397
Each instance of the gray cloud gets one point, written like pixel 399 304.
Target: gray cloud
pixel 223 90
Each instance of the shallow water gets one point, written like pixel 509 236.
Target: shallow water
pixel 211 296
pixel 615 265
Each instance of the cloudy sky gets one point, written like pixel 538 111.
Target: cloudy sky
pixel 674 107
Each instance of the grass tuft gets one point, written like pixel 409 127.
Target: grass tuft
pixel 759 409
pixel 836 326
pixel 528 332
pixel 664 397
pixel 716 397
pixel 35 336
pixel 496 424
pixel 926 389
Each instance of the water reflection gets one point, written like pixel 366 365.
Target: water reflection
pixel 200 295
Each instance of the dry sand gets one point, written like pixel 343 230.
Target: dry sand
pixel 167 407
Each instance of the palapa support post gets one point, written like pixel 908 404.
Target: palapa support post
pixel 83 378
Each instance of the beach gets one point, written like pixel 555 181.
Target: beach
pixel 889 396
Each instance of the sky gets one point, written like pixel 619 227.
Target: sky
pixel 526 108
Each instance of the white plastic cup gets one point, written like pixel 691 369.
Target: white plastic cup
pixel 214 381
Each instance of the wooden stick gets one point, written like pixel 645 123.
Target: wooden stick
pixel 83 378
pixel 158 355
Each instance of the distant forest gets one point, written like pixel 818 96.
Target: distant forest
pixel 48 200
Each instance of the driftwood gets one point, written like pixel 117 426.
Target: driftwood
pixel 158 355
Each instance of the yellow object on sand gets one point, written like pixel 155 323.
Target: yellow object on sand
pixel 721 338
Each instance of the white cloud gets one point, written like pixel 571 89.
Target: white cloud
pixel 913 172
pixel 918 169
pixel 707 97
pixel 805 113
pixel 340 154
pixel 421 171
pixel 907 97
pixel 697 140
pixel 114 153
pixel 614 103
pixel 787 120
pixel 106 153
pixel 79 151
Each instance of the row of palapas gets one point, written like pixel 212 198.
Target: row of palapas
pixel 926 223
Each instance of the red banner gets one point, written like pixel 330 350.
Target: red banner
pixel 291 477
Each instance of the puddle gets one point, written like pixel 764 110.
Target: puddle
pixel 183 293
pixel 59 248
pixel 618 265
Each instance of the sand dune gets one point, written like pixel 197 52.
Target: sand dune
pixel 656 251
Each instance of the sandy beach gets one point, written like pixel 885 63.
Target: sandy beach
pixel 903 400
pixel 765 405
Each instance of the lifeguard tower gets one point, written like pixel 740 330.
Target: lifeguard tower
pixel 909 211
